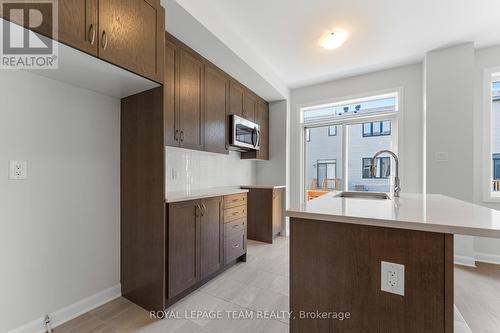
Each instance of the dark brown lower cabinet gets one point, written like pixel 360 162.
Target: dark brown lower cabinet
pixel 265 213
pixel 183 246
pixel 196 243
pixel 212 236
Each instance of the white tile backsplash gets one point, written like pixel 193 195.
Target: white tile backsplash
pixel 193 170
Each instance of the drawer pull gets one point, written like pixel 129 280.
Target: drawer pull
pixel 236 226
pixel 235 213
pixel 236 200
pixel 236 245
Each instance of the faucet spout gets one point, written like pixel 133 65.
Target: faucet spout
pixel 373 169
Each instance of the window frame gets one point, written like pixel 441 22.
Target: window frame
pixel 381 133
pixel 490 76
pixel 397 119
pixel 379 167
pixel 326 163
pixel 329 133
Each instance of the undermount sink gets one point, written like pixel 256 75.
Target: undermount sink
pixel 364 195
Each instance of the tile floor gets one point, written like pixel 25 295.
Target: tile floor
pixel 261 284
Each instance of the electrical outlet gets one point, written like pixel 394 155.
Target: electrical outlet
pixel 393 278
pixel 18 170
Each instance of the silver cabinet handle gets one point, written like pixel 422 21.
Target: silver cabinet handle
pixel 236 245
pixel 182 136
pixel 104 40
pixel 91 34
pixel 176 135
pixel 204 209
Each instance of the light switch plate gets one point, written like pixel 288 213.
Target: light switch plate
pixel 18 170
pixel 393 278
pixel 441 156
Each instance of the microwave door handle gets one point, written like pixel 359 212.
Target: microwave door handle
pixel 258 138
pixel 254 137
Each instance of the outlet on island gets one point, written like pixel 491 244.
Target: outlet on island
pixel 393 278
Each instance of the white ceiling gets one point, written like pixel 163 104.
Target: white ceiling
pixel 284 34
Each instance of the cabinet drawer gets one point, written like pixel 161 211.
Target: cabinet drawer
pixel 235 200
pixel 235 246
pixel 235 213
pixel 234 226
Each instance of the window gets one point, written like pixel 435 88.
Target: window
pixel 383 167
pixel 332 130
pixel 327 173
pixel 387 104
pixel 377 128
pixel 336 153
pixel 496 166
pixel 495 137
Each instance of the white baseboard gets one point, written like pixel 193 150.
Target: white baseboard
pixel 488 258
pixel 464 261
pixel 71 311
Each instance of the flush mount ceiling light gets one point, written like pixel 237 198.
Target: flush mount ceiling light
pixel 333 39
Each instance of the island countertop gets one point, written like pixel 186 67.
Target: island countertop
pixel 423 212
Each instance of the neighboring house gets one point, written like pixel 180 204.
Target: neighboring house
pixel 324 156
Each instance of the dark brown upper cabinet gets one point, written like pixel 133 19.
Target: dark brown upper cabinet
pixel 198 99
pixel 216 93
pixel 130 33
pixel 170 121
pixel 78 24
pixel 184 112
pixel 249 106
pixel 236 93
pixel 189 104
pixel 126 33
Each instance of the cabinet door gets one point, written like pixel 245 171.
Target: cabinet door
pixel 189 101
pixel 78 24
pixel 170 119
pixel 129 33
pixel 211 239
pixel 249 106
pixel 236 93
pixel 263 120
pixel 277 211
pixel 216 90
pixel 183 247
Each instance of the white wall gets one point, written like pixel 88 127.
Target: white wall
pixel 60 228
pixel 192 170
pixel 272 172
pixel 409 78
pixel 484 59
pixel 449 99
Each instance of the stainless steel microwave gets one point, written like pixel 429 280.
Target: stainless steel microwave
pixel 245 135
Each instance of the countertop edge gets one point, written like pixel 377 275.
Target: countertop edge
pixel 263 187
pixel 195 196
pixel 407 225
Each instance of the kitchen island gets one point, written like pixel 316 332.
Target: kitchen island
pixel 337 246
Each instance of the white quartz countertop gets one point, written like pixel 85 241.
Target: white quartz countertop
pixel 264 187
pixel 186 195
pixel 431 212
